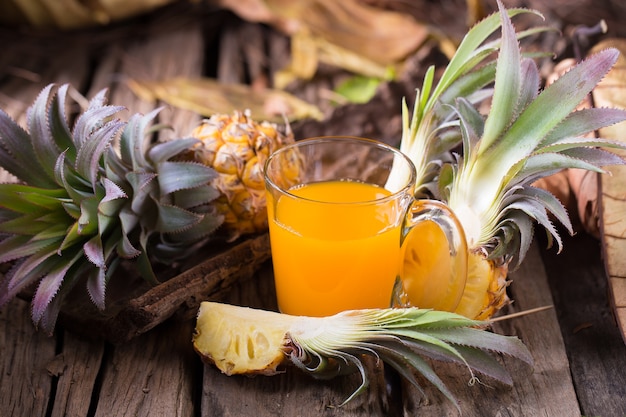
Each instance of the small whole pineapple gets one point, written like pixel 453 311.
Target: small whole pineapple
pixel 237 147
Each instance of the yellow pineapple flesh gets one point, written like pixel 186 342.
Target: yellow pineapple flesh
pixel 240 340
pixel 485 288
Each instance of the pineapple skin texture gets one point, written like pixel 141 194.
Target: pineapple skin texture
pixel 485 288
pixel 237 147
pixel 241 340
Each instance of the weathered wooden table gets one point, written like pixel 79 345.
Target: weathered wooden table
pixel 580 357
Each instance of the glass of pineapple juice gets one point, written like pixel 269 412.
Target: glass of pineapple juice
pixel 338 210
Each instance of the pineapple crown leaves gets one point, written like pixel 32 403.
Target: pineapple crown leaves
pixel 81 205
pixel 403 338
pixel 170 197
pixel 526 135
pixel 427 137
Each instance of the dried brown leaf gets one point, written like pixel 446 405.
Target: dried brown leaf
pixel 207 96
pixel 350 34
pixel 73 14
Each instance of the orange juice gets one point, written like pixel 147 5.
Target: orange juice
pixel 335 247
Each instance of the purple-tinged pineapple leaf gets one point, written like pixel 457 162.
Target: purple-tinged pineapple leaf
pixel 17 155
pixel 209 224
pixel 98 100
pixel 570 143
pixel 88 220
pixel 198 196
pixel 57 120
pixel 477 359
pixel 164 151
pixel 143 185
pixel 472 127
pixel 90 121
pixel 535 210
pixel 126 249
pixel 18 246
pixel 170 175
pixel 133 141
pixel 49 316
pixel 551 204
pixel 44 144
pixel 545 164
pixel 507 89
pixel 49 286
pixel 531 81
pixel 483 340
pixel 172 219
pixel 112 191
pixel 403 360
pixel 89 157
pixel 518 227
pixel 113 200
pixel 96 287
pixel 583 121
pixel 94 251
pixel 553 105
pixel 27 271
pixel 595 156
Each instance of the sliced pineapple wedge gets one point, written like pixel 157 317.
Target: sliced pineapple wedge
pixel 241 340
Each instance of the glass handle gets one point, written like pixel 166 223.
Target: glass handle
pixel 434 258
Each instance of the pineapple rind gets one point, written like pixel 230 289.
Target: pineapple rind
pixel 237 146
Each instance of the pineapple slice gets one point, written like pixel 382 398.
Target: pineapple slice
pixel 241 340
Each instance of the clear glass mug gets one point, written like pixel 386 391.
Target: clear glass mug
pixel 339 210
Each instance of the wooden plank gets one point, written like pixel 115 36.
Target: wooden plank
pixel 24 357
pixel 544 390
pixel 154 374
pixel 595 347
pixel 75 370
pixel 612 188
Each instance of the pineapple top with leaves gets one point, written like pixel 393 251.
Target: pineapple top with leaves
pixel 81 205
pixel 527 134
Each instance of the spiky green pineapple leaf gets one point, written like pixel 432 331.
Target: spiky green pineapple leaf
pixel 561 97
pixel 170 174
pixel 17 154
pixel 164 151
pixel 402 338
pixel 83 205
pixel 89 156
pixel 19 246
pixel 57 122
pixel 50 285
pixel 508 79
pixel 527 134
